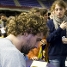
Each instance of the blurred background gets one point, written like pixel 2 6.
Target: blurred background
pixel 14 7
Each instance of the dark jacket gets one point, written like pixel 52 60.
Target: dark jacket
pixel 56 48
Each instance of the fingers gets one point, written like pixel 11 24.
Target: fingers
pixel 43 42
pixel 64 40
pixel 63 25
pixel 34 58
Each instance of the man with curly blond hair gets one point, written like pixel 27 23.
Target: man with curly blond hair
pixel 23 34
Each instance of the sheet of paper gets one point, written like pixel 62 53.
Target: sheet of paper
pixel 66 63
pixel 38 64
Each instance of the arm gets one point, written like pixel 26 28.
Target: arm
pixel 54 34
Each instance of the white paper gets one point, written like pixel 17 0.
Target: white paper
pixel 65 63
pixel 2 31
pixel 38 64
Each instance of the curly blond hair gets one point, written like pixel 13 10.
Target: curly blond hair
pixel 29 23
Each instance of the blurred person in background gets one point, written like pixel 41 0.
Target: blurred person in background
pixel 58 28
pixel 35 10
pixel 44 13
pixel 3 22
pixel 43 43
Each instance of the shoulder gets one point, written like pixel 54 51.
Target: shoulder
pixel 13 57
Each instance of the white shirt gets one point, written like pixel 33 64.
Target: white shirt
pixel 10 56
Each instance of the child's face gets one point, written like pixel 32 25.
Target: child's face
pixel 59 11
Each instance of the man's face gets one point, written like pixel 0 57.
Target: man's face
pixel 31 42
pixel 59 11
